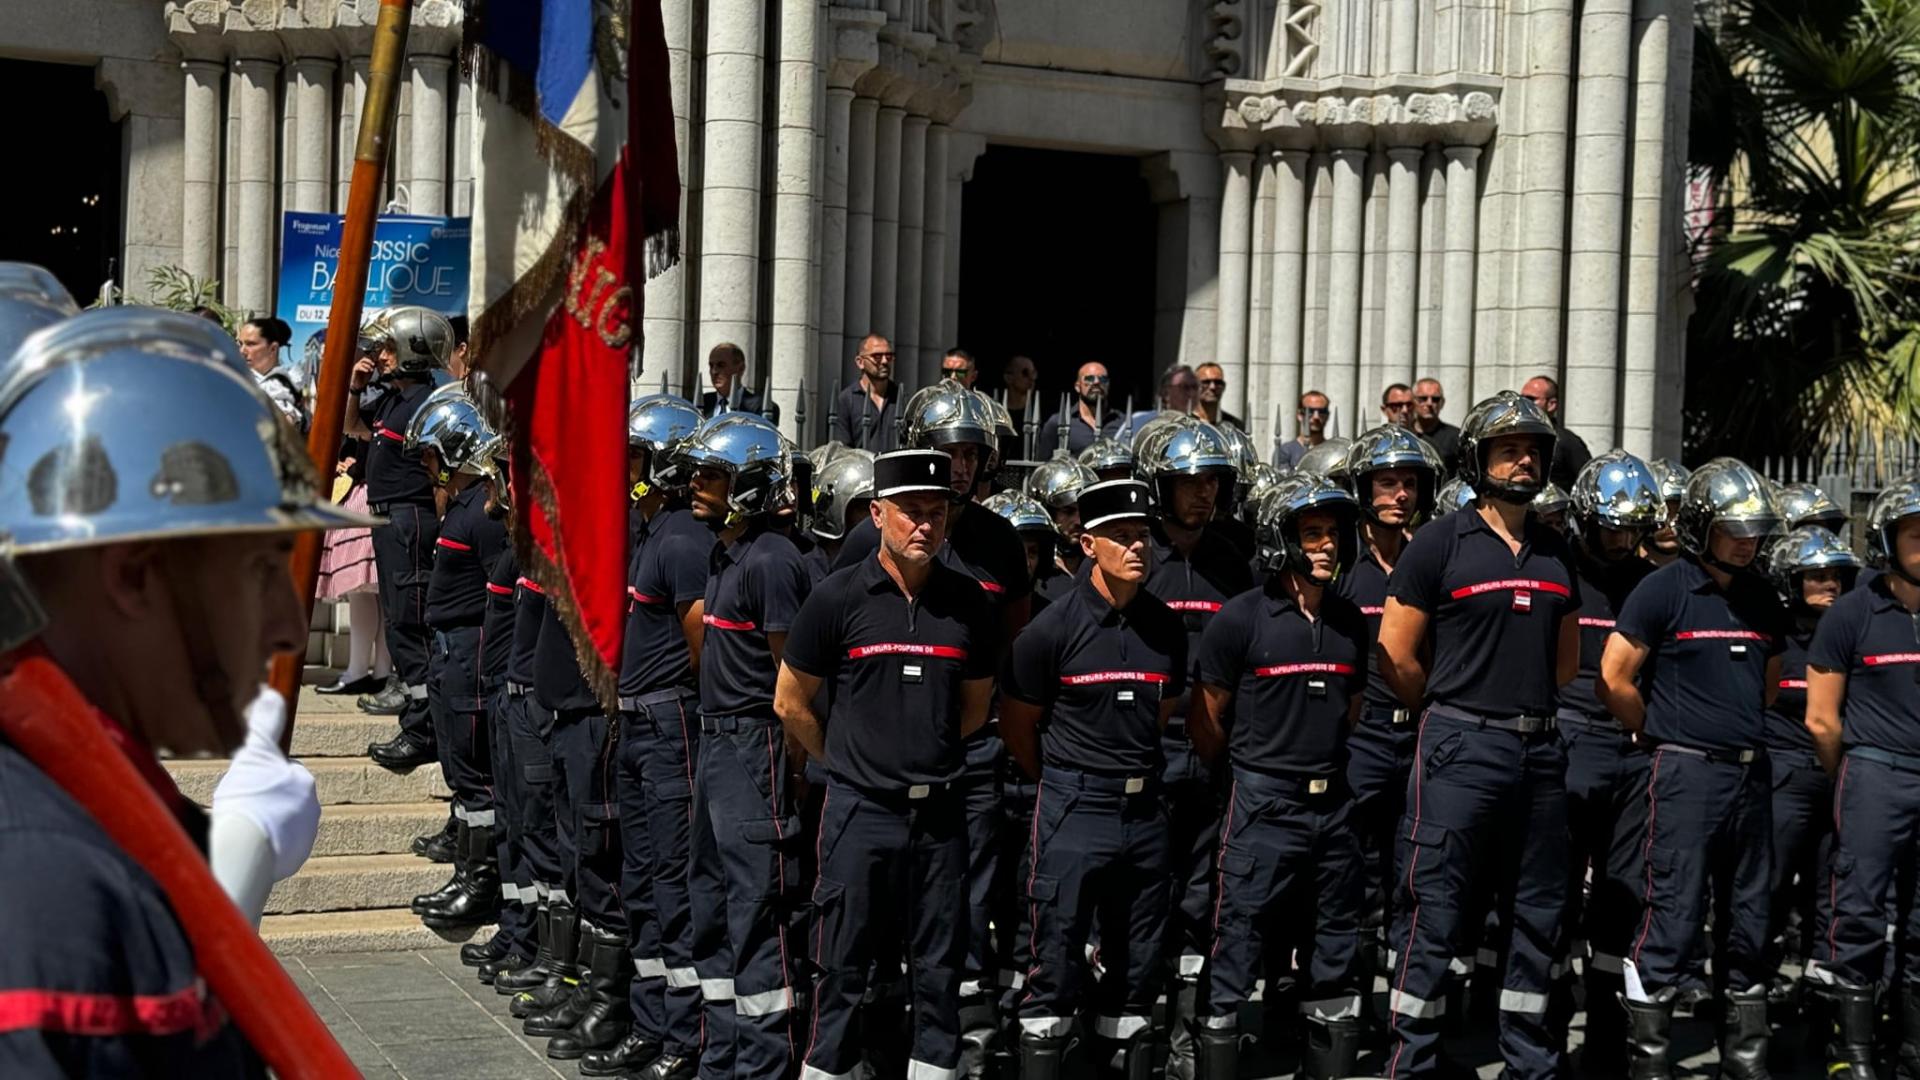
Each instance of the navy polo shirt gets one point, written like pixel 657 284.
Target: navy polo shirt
pixel 980 544
pixel 394 473
pixel 1787 717
pixel 463 557
pixel 1874 639
pixel 1704 679
pixel 496 631
pixel 671 555
pixel 1365 587
pixel 557 681
pixel 1196 585
pixel 1101 673
pixel 819 563
pixel 1604 589
pixel 895 667
pixel 754 588
pixel 1292 678
pixel 1494 614
pixel 529 613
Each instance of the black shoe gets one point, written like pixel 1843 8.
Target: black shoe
pixel 401 754
pixel 437 847
pixel 1743 1037
pixel 1043 1057
pixel 506 965
pixel 1850 1046
pixel 670 1067
pixel 606 1018
pixel 391 700
pixel 626 1058
pixel 480 953
pixel 558 1018
pixel 365 684
pixel 476 900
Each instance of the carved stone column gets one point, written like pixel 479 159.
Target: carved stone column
pixel 1594 262
pixel 200 168
pixel 1463 240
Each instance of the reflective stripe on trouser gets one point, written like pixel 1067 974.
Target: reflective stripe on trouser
pixel 585 745
pixel 1194 799
pixel 1099 858
pixel 1607 822
pixel 1283 850
pixel 1876 824
pixel 403 559
pixel 1802 852
pixel 460 726
pixel 516 879
pixel 978 787
pixel 1379 756
pixel 655 789
pixel 530 726
pixel 1493 801
pixel 1708 822
pixel 890 876
pixel 744 883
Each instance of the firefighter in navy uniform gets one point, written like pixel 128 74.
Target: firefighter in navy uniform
pixel 1614 503
pixel 1037 535
pixel 1703 634
pixel 1810 567
pixel 1087 692
pixel 1280 685
pixel 399 488
pixel 840 499
pixel 165 596
pixel 1480 632
pixel 1863 708
pixel 745 829
pixel 909 645
pixel 1056 484
pixel 659 726
pixel 457 448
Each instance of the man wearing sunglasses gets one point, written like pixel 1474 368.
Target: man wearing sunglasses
pixel 1396 405
pixel 1213 388
pixel 864 413
pixel 1428 397
pixel 1312 417
pixel 1091 417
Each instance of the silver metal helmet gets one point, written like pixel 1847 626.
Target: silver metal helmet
pixel 1185 447
pixel 1280 510
pixel 1727 494
pixel 30 298
pixel 1671 476
pixel 1806 504
pixel 1258 480
pixel 1553 499
pixel 1006 441
pixel 131 423
pixel 1152 426
pixel 1895 503
pixel 451 424
pixel 945 413
pixel 1329 459
pixel 751 452
pixel 824 454
pixel 843 484
pixel 422 340
pixel 1106 453
pixel 1808 547
pixel 655 423
pixel 1025 513
pixel 1619 491
pixel 1391 446
pixel 1505 413
pixel 1455 494
pixel 1056 484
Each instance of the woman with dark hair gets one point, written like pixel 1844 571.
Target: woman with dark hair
pixel 261 340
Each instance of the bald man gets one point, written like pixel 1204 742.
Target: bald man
pixel 1091 417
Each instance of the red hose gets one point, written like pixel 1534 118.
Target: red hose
pixel 43 714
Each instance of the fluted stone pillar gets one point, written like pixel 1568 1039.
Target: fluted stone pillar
pixel 730 192
pixel 1456 307
pixel 427 176
pixel 862 133
pixel 1403 262
pixel 933 261
pixel 913 209
pixel 794 332
pixel 886 219
pixel 1236 235
pixel 1598 211
pixel 833 228
pixel 668 310
pixel 255 237
pixel 1647 237
pixel 313 129
pixel 1540 247
pixel 200 169
pixel 461 193
pixel 1289 280
pixel 1343 285
pixel 353 90
pixel 1403 33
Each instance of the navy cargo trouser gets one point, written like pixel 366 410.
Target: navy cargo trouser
pixel 1487 798
pixel 978 789
pixel 1607 822
pixel 540 866
pixel 1100 856
pixel 1010 910
pixel 1803 813
pixel 516 880
pixel 585 747
pixel 1709 824
pixel 1288 845
pixel 891 867
pixel 403 559
pixel 654 789
pixel 1193 796
pixel 1379 757
pixel 744 885
pixel 460 725
pixel 1876 814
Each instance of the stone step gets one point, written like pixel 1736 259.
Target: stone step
pixel 318 734
pixel 356 882
pixel 379 930
pixel 339 780
pixel 376 828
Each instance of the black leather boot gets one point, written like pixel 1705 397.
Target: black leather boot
pixel 1743 1036
pixel 1043 1057
pixel 441 846
pixel 526 978
pixel 1139 1056
pixel 1333 1048
pixel 1907 1060
pixel 1649 1036
pixel 1216 1053
pixel 478 900
pixel 608 1014
pixel 567 1008
pixel 563 970
pixel 671 1067
pixel 1850 1039
pixel 978 1031
pixel 625 1058
pixel 1182 1000
pixel 512 962
pixel 480 953
pixel 426 902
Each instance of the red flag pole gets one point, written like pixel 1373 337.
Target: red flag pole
pixel 349 299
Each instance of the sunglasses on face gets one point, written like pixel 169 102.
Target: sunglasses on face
pixel 878 355
pixel 1101 379
pixel 1213 382
pixel 1315 410
pixel 1430 399
pixel 1396 406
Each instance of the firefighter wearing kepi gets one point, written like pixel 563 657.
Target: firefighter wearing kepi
pixel 1281 675
pixel 1489 595
pixel 457 448
pixel 908 645
pixel 165 595
pixel 1704 635
pixel 659 728
pixel 399 488
pixel 745 830
pixel 1614 503
pixel 1087 692
pixel 1863 708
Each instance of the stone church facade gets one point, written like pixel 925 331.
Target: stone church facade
pixel 1348 193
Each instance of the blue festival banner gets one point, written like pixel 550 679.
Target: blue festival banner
pixel 417 260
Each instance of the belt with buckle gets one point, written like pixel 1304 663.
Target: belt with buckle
pixel 1519 725
pixel 1303 783
pixel 727 725
pixel 1726 757
pixel 644 702
pixel 1119 785
pixel 1604 725
pixel 1892 759
pixel 518 689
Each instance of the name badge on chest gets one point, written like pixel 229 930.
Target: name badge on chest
pixel 1522 601
pixel 911 673
pixel 1737 650
pixel 1316 687
pixel 1124 697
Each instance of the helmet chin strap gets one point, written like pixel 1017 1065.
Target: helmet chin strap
pixel 1508 494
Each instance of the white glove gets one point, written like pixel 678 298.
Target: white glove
pixel 267 790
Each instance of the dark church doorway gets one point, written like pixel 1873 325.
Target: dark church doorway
pixel 1057 263
pixel 66 187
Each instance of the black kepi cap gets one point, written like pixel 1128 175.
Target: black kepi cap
pixel 903 472
pixel 1114 500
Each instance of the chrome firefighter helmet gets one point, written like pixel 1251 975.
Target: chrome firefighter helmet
pixel 845 482
pixel 30 298
pixel 1186 447
pixel 1505 413
pixel 753 455
pixel 1672 478
pixel 1553 499
pixel 1455 494
pixel 1391 446
pixel 1895 503
pixel 1809 547
pixel 945 413
pixel 1806 504
pixel 1056 484
pixel 655 423
pixel 1259 479
pixel 1152 427
pixel 1619 491
pixel 422 340
pixel 1106 453
pixel 1022 511
pixel 128 423
pixel 1329 459
pixel 1727 494
pixel 450 424
pixel 1278 528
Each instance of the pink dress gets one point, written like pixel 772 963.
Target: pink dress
pixel 346 560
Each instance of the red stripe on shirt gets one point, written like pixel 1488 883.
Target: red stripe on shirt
pixel 1881 659
pixel 1511 585
pixel 643 597
pixel 1793 684
pixel 1092 677
pixel 389 433
pixel 1194 605
pixel 890 648
pixel 719 623
pixel 453 544
pixel 1304 669
pixel 1372 609
pixel 993 587
pixel 1719 635
pixel 531 585
pixel 1604 624
pixel 499 590
pixel 72 1013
